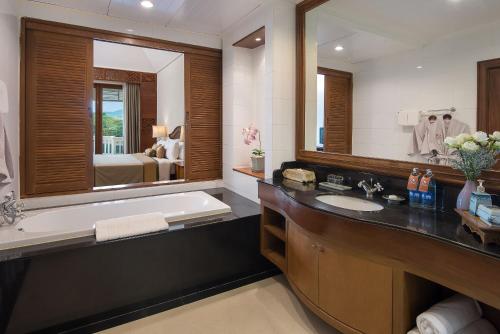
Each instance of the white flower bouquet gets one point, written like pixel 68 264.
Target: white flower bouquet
pixel 475 153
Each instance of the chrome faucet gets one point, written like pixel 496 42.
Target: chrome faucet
pixel 369 189
pixel 11 209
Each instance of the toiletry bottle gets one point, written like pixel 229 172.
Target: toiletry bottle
pixel 478 197
pixel 413 193
pixel 427 190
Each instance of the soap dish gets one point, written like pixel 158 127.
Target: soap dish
pixel 394 199
pixel 334 186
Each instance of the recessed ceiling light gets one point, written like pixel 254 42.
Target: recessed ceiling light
pixel 130 30
pixel 258 39
pixel 339 48
pixel 147 4
pixel 419 67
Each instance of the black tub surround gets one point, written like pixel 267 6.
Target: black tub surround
pixel 84 286
pixel 443 224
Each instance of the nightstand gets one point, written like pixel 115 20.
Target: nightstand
pixel 179 170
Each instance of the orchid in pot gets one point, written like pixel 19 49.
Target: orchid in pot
pixel 250 135
pixel 474 153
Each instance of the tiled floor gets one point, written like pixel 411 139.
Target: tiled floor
pixel 265 307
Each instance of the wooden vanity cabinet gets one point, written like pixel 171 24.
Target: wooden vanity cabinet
pixel 302 257
pixel 354 291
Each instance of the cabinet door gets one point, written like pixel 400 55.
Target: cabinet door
pixel 302 258
pixel 355 291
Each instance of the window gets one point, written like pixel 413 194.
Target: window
pixel 108 119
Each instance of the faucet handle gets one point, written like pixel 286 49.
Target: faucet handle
pixel 378 186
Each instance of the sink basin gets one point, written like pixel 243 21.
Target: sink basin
pixel 349 203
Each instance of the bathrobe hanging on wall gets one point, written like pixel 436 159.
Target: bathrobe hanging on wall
pixel 6 166
pixel 428 136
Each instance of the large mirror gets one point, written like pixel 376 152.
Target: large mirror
pixel 138 115
pixel 393 84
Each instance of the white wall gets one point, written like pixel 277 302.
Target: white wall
pixel 259 89
pixel 72 16
pixel 449 78
pixel 170 86
pixel 9 73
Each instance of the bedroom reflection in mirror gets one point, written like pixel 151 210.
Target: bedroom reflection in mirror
pixel 137 115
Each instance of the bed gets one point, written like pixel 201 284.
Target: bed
pixel 117 169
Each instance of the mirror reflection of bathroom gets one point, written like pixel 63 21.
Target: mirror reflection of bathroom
pixel 394 84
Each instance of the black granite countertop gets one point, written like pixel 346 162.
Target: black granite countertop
pixel 442 225
pixel 241 207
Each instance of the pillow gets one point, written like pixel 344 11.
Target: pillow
pixel 150 152
pixel 161 152
pixel 162 143
pixel 173 149
pixel 182 151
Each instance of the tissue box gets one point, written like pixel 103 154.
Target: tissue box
pixel 489 214
pixel 300 175
pixel 478 199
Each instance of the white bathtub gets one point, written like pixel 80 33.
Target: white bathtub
pixel 50 225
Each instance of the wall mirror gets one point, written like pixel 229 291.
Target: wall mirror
pixel 380 90
pixel 137 115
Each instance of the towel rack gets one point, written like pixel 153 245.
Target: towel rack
pixel 438 112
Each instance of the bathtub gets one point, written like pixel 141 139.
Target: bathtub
pixel 43 226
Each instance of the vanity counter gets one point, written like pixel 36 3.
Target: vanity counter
pixel 442 225
pixel 388 265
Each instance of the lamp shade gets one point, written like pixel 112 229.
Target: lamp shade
pixel 183 134
pixel 159 131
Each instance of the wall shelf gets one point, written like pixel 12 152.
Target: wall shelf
pixel 248 171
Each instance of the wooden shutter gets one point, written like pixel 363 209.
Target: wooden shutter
pixel 338 111
pixel 203 94
pixel 57 132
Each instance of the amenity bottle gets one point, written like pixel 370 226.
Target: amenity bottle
pixel 414 195
pixel 427 189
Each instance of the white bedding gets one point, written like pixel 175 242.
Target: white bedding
pixel 166 167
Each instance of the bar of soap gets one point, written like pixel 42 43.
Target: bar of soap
pixel 393 197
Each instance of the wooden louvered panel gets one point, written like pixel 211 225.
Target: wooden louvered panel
pixel 203 91
pixel 58 132
pixel 338 111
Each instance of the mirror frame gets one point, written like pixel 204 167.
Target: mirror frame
pixel 387 167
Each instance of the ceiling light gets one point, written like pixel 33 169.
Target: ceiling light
pixel 339 48
pixel 258 39
pixel 419 67
pixel 130 30
pixel 147 4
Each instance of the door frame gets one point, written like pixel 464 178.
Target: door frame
pixel 483 100
pixel 98 113
pixel 344 75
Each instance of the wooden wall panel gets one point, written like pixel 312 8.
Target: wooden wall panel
pixel 203 94
pixel 58 135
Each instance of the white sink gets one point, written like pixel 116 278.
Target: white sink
pixel 350 203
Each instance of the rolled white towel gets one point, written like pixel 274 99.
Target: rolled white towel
pixel 481 326
pixel 449 316
pixel 123 227
pixel 414 331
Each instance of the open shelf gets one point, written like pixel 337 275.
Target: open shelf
pixel 276 231
pixel 273 237
pixel 276 258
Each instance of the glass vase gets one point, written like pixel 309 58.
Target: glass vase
pixel 463 200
